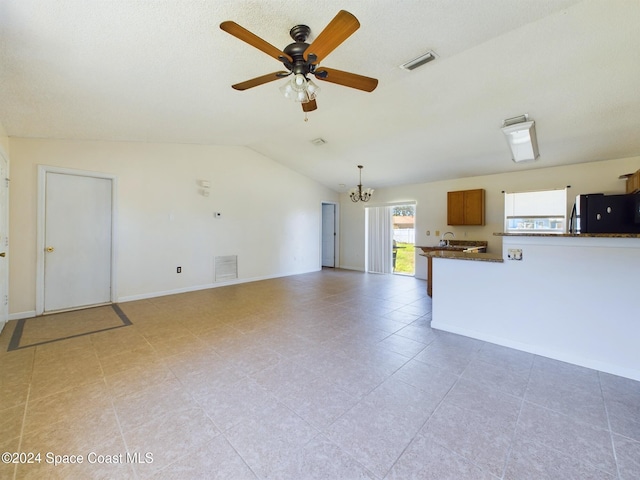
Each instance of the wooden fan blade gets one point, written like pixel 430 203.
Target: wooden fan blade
pixel 252 39
pixel 310 106
pixel 347 79
pixel 338 30
pixel 254 82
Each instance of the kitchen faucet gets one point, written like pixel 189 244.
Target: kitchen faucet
pixel 442 240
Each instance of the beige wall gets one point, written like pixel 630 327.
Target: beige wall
pixel 431 198
pixel 271 216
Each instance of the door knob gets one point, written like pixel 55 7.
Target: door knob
pixel 3 254
pixel 49 249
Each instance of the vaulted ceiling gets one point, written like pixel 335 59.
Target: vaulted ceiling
pixel 162 70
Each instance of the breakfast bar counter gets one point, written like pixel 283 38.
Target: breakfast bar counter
pixel 568 297
pixel 458 255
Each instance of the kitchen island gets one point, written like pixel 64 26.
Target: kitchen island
pixel 570 297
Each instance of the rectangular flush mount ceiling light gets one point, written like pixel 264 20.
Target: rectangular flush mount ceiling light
pixel 521 137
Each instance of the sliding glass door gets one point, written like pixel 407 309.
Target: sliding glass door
pixel 390 239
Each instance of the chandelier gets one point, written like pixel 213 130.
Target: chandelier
pixel 358 193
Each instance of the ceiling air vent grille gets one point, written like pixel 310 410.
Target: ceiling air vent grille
pixel 419 61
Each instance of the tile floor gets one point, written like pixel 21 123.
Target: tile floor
pixel 329 375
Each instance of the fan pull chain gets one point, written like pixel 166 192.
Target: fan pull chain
pixel 306 119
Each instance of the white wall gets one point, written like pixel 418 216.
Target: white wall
pixel 271 216
pixel 431 203
pixel 4 139
pixel 572 299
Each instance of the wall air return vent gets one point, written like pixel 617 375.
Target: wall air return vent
pixel 226 268
pixel 419 61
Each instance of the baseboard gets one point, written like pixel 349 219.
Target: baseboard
pixel 145 296
pixel 21 315
pixel 621 371
pixel 348 267
pixel 236 281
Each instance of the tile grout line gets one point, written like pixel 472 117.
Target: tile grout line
pixel 427 421
pixel 113 407
pixel 572 419
pixel 606 411
pixel 24 419
pixel 24 413
pixel 515 428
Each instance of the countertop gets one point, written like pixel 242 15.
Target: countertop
pixel 455 251
pixel 458 255
pixel 574 235
pixel 457 244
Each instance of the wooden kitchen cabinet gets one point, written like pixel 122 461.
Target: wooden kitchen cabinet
pixel 633 183
pixel 465 207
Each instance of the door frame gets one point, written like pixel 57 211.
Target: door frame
pixel 41 227
pixel 5 301
pixel 336 237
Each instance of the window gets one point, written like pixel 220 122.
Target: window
pixel 539 212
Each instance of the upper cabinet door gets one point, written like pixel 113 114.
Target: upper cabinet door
pixel 465 207
pixel 455 208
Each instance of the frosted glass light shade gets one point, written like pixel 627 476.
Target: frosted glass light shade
pixel 522 140
pixel 300 89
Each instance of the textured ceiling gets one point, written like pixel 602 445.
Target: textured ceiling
pixel 161 71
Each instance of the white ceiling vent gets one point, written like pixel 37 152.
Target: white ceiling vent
pixel 419 61
pixel 318 141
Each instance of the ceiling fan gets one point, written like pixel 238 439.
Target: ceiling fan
pixel 302 59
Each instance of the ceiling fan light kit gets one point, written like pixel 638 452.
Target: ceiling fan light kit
pixel 302 59
pixel 300 89
pixel 521 138
pixel 359 194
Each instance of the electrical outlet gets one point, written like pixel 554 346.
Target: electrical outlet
pixel 514 254
pixel 179 270
pixel 428 232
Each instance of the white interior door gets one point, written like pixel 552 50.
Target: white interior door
pixel 77 241
pixel 328 235
pixel 4 240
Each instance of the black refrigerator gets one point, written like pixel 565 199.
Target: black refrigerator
pixel 599 213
